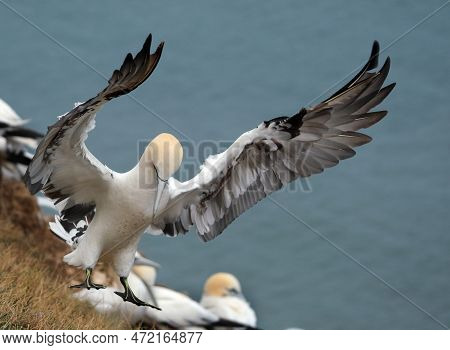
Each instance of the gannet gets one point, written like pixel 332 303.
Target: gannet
pixel 147 197
pixel 178 310
pixel 16 141
pixel 222 295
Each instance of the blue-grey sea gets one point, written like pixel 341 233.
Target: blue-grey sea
pixel 365 245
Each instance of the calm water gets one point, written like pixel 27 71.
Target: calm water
pixel 226 67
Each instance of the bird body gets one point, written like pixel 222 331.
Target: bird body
pixel 125 208
pixel 123 211
pixel 230 308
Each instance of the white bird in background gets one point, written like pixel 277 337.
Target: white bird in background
pixel 258 163
pixel 222 295
pixel 178 310
pixel 16 142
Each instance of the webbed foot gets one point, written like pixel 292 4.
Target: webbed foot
pixel 88 284
pixel 129 296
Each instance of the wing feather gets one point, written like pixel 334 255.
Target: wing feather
pixel 278 151
pixel 62 166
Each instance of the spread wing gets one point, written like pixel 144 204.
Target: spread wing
pixel 62 166
pixel 275 153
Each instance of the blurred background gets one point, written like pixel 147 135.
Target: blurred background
pixel 226 67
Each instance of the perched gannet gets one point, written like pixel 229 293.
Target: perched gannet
pixel 258 163
pixel 16 141
pixel 178 310
pixel 222 295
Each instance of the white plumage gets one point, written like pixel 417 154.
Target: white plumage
pixel 178 310
pixel 9 115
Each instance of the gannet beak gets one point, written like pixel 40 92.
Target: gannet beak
pixel 160 190
pixel 152 295
pixel 235 293
pixel 140 260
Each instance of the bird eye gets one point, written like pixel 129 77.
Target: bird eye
pixel 233 291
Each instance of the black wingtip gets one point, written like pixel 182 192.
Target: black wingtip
pixel 128 61
pixel 370 64
pixel 158 51
pixel 133 72
pixel 385 68
pixel 148 42
pixel 128 57
pixel 387 89
pixel 373 60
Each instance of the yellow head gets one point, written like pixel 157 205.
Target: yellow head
pixel 222 284
pixel 165 153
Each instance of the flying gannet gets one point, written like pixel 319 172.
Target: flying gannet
pixel 147 197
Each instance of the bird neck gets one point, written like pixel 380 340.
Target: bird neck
pixel 144 174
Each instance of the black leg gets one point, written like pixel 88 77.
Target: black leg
pixel 128 295
pixel 88 284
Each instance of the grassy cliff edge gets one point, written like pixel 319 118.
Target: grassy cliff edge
pixel 33 279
